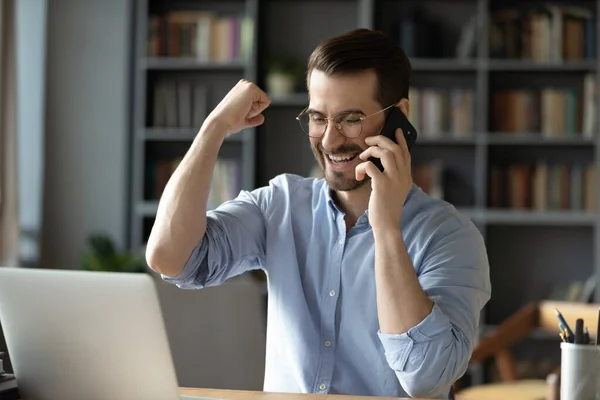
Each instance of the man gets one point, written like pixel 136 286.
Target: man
pixel 374 287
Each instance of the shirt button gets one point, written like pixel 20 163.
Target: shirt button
pixel 332 293
pixel 322 386
pixel 327 343
pixel 341 242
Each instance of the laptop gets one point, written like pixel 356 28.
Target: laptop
pixel 86 335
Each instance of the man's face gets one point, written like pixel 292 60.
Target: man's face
pixel 332 95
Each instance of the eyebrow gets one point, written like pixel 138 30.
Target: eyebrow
pixel 348 111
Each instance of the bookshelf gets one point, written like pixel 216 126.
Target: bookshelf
pixel 536 239
pixel 177 79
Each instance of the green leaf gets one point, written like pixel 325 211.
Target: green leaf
pixel 103 256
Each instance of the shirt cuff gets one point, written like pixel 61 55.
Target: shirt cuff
pixel 407 350
pixel 194 273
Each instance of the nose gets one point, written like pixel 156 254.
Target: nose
pixel 332 138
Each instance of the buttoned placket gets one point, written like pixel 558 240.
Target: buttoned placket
pixel 330 299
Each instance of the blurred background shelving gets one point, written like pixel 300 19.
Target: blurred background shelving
pixel 504 96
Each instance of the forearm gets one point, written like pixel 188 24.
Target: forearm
pixel 429 354
pixel 430 358
pixel 181 216
pixel 401 302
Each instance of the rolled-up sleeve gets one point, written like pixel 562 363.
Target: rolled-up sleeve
pixel 454 273
pixel 234 242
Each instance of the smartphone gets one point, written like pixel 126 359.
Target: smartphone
pixel 396 119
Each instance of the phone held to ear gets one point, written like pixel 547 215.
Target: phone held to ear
pixel 396 119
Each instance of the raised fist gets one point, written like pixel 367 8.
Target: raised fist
pixel 242 107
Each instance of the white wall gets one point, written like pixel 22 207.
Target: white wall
pixel 88 53
pixel 30 24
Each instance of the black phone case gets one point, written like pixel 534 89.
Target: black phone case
pixel 396 119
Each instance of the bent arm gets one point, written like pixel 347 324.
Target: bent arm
pixel 234 242
pixel 181 216
pixel 430 356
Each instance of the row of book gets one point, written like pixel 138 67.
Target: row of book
pixel 553 111
pixel 204 35
pixel 540 186
pixel 179 103
pixel 435 112
pixel 429 177
pixel 546 33
pixel 543 186
pixel 442 180
pixel 226 181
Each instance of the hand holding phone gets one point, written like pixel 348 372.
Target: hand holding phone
pixel 396 119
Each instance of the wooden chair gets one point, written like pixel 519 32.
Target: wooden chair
pixel 497 345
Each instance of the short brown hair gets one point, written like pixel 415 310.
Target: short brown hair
pixel 362 49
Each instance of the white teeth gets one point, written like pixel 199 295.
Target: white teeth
pixel 341 158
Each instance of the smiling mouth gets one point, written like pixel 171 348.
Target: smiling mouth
pixel 341 159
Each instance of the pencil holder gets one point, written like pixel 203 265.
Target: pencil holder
pixel 579 372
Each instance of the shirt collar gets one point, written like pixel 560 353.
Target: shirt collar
pixel 334 209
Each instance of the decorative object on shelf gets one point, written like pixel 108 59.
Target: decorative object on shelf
pixel 104 257
pixel 466 47
pixel 283 75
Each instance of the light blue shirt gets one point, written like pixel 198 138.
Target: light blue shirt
pixel 323 332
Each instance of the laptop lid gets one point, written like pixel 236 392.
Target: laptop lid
pixel 86 335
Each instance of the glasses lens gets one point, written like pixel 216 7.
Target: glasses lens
pixel 312 124
pixel 351 125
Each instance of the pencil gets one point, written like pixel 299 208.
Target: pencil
pixel 562 336
pixel 564 324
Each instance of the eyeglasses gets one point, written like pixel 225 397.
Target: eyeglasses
pixel 348 123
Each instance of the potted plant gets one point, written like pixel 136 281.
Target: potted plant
pixel 103 256
pixel 283 74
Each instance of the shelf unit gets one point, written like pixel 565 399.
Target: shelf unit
pixel 150 141
pixel 529 251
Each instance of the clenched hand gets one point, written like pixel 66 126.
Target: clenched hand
pixel 241 108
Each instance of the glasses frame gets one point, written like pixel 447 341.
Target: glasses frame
pixel 337 125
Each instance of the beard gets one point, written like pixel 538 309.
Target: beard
pixel 335 179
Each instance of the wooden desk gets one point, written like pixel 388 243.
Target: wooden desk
pixel 248 395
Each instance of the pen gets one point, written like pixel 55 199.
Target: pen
pixel 579 331
pixel 563 324
pixel 586 335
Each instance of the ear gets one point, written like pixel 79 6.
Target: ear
pixel 404 105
